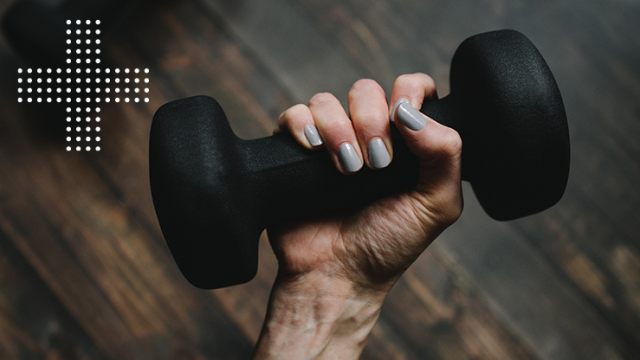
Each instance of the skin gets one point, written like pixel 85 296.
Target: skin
pixel 335 272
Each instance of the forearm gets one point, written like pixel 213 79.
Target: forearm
pixel 316 316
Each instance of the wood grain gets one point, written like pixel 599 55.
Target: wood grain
pixel 85 273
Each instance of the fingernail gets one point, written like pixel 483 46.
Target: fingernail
pixel 349 159
pixel 378 154
pixel 311 132
pixel 410 117
pixel 395 107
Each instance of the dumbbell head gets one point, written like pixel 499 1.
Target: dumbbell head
pixel 214 193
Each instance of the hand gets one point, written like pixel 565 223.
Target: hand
pixel 334 272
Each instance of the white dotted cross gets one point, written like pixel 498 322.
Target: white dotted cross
pixel 81 88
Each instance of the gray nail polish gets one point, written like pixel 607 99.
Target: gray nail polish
pixel 411 117
pixel 395 108
pixel 349 158
pixel 312 135
pixel 378 154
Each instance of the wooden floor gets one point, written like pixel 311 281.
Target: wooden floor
pixel 85 273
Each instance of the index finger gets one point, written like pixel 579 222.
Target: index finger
pixel 416 88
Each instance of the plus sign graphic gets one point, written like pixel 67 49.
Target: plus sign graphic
pixel 83 88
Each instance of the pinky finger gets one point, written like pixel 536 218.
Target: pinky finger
pixel 298 121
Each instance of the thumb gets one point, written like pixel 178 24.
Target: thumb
pixel 439 149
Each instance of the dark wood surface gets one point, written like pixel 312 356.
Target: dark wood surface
pixel 85 273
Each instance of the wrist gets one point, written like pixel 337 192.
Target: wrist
pixel 317 316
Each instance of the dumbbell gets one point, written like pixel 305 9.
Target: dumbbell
pixel 214 193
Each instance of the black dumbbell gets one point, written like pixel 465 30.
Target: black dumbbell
pixel 215 193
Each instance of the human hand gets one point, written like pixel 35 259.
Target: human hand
pixel 334 272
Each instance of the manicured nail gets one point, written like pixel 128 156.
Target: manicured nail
pixel 312 135
pixel 378 154
pixel 395 107
pixel 349 159
pixel 410 117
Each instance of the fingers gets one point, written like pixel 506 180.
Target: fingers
pixel 298 121
pixel 337 131
pixel 414 87
pixel 369 112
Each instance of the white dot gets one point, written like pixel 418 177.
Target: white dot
pixel 88 100
pixel 107 70
pixel 97 22
pixel 20 90
pixel 98 32
pixel 68 119
pixel 117 99
pixel 126 90
pixel 137 90
pixel 98 61
pixel 78 80
pixel 68 80
pixel 19 81
pixel 19 100
pixel 68 129
pixel 39 90
pixel 88 80
pixel 88 90
pixel 117 71
pixel 68 138
pixel 68 148
pixel 48 90
pixel 49 71
pixel 88 109
pixel 58 80
pixel 98 119
pixel 49 100
pixel 78 71
pixel 88 22
pixel 137 100
pixel 29 90
pixel 126 71
pixel 88 119
pixel 88 61
pixel 97 41
pixel 78 22
pixel 117 81
pixel 29 100
pixel 98 90
pixel 88 138
pixel 88 129
pixel 88 32
pixel 97 99
pixel 107 90
pixel 39 80
pixel 78 148
pixel 107 80
pixel 97 148
pixel 98 129
pixel 78 61
pixel 29 70
pixel 117 90
pixel 126 99
pixel 49 80
pixel 78 138
pixel 137 80
pixel 68 22
pixel 59 70
pixel 39 71
pixel 39 99
pixel 146 99
pixel 146 71
pixel 78 119
pixel 68 109
pixel 89 41
pixel 78 41
pixel 126 80
pixel 78 129
pixel 68 41
pixel 97 109
pixel 59 100
pixel 78 32
pixel 78 109
pixel 146 80
pixel 97 138
pixel 20 71
pixel 68 71
pixel 107 100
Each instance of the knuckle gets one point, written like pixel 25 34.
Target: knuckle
pixel 322 98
